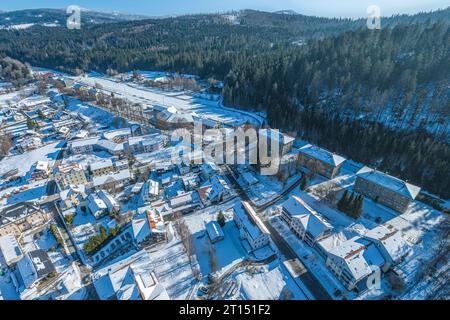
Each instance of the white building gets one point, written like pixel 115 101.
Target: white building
pixel 73 196
pixel 354 261
pixel 83 145
pixel 100 168
pixel 251 228
pixel 118 179
pixel 148 225
pixel 150 191
pixel 10 249
pixel 96 206
pixel 214 231
pixel 306 223
pixel 130 279
pixel 145 144
pixel 390 242
pixel 70 174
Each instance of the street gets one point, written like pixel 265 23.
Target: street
pixel 310 281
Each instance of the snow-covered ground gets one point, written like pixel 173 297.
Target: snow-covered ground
pixel 25 161
pixel 90 113
pixel 273 283
pixel 172 268
pixel 185 102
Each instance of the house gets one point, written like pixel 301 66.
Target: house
pixel 214 231
pixel 354 261
pixel 390 242
pixel 385 189
pixel 113 181
pixel 172 118
pixel 69 174
pixel 145 144
pixel 111 204
pixel 182 199
pixel 117 136
pixel 34 267
pixel 83 145
pixel 97 206
pixel 21 217
pixel 190 181
pixel 73 196
pixel 41 170
pixel 306 223
pixel 121 165
pixel 320 161
pixel 150 191
pixel 215 192
pixel 116 149
pixel 148 225
pixel 251 227
pixel 132 278
pixel 101 168
pixel 10 249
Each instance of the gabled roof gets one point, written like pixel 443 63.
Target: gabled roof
pixel 390 182
pixel 322 155
pixel 360 255
pixel 101 164
pixel 390 239
pixel 310 219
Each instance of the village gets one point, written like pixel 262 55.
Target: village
pixel 98 202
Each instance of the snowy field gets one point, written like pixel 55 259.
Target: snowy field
pixel 211 110
pixel 90 113
pixel 25 161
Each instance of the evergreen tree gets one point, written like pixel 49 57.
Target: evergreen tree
pixel 221 219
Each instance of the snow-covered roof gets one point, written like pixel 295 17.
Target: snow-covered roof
pixel 360 255
pixel 110 135
pixel 322 155
pixel 214 230
pixel 252 223
pixel 151 187
pixel 110 146
pixel 72 189
pixel 34 266
pixel 282 138
pixel 101 164
pixel 84 142
pixel 310 219
pixel 10 248
pixel 112 177
pixel 181 199
pixel 110 202
pixel 145 223
pixel 132 278
pixel 148 139
pixel 390 239
pixel 67 167
pixel 390 182
pixel 95 204
pixel 42 165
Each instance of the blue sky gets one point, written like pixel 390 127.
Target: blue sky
pixel 339 8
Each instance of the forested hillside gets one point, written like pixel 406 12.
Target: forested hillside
pixel 377 96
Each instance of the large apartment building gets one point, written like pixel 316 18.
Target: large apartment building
pixel 385 189
pixel 320 161
pixel 70 174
